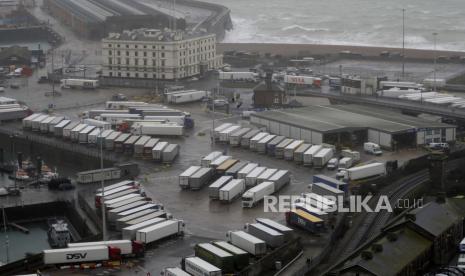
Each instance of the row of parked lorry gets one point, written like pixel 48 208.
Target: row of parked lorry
pixel 230 178
pixel 94 132
pixel 235 254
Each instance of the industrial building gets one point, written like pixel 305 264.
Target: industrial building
pixel 268 94
pixel 429 233
pixel 94 19
pixel 354 124
pixel 159 54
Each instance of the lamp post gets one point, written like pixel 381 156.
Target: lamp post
pixel 403 43
pixel 435 61
pixel 102 186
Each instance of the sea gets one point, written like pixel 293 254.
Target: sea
pixel 349 22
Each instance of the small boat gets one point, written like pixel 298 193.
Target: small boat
pixel 58 233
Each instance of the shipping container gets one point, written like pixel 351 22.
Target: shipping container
pixel 247 242
pixel 251 178
pixel 93 136
pixel 216 132
pixel 233 171
pixel 241 257
pixel 299 153
pixel 152 206
pixel 245 140
pixel 83 135
pixel 232 190
pixel 254 140
pixel 53 123
pixel 186 96
pixel 325 190
pixel 267 174
pixel 226 165
pixel 139 146
pixel 175 271
pixel 43 125
pixel 291 148
pixel 220 160
pixel 160 231
pixel 153 214
pixel 97 123
pixel 110 140
pixel 206 160
pixel 129 144
pixel 364 171
pixel 235 138
pixel 280 178
pixel 79 83
pixel 117 185
pixel 185 176
pixel 122 222
pixel 112 213
pixel 214 188
pixel 198 267
pixel 200 178
pixel 122 201
pixel 149 146
pixel 27 122
pixel 321 158
pixel 345 163
pixel 178 119
pixel 305 220
pixel 215 256
pixel 58 129
pixel 74 135
pixel 272 237
pixel 130 232
pixel 286 231
pixel 67 129
pixel 242 174
pixel 35 123
pixel 280 148
pixel 224 134
pixel 262 144
pixel 170 153
pixel 308 155
pixel 271 146
pixel 157 151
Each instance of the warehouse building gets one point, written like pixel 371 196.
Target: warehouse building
pixel 159 54
pixel 94 19
pixel 354 124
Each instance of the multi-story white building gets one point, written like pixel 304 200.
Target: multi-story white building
pixel 159 54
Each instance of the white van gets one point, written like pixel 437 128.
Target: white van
pixel 372 148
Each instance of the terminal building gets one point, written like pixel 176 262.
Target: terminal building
pixel 159 54
pixel 94 19
pixel 350 125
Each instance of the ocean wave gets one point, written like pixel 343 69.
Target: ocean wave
pixel 301 28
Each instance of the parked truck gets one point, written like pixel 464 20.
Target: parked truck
pixel 159 231
pixel 272 237
pixel 122 222
pixel 271 146
pixel 234 170
pixel 110 140
pixel 241 257
pixel 153 214
pixel 254 140
pixel 75 132
pixel 195 266
pixel 226 165
pixel 232 190
pixel 235 138
pixel 291 148
pixel 157 129
pixel 58 128
pixel 139 146
pixel 224 134
pixel 147 154
pixel 302 219
pixel 119 142
pixel 361 172
pixel 214 188
pixel 128 248
pixel 372 148
pixel 79 83
pixel 157 151
pixel 345 163
pixel 83 135
pixel 245 140
pixel 170 153
pixel 215 133
pixel 206 160
pixel 174 271
pixel 251 178
pixel 262 144
pixel 322 157
pixel 97 123
pixel 280 178
pixel 200 178
pixel 308 155
pixel 215 256
pixel 219 161
pixel 323 189
pixel 81 254
pixel 185 176
pixel 286 231
pixel 256 194
pixel 247 242
pixel 187 96
pixel 130 232
pixel 97 175
pixel 280 148
pixel 299 153
pixel 266 175
pixel 242 174
pixel 27 122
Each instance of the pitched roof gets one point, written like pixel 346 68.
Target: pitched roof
pixel 264 87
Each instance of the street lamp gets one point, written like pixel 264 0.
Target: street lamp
pixel 435 58
pixel 102 186
pixel 403 43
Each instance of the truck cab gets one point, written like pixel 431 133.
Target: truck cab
pixel 372 148
pixel 247 200
pixel 341 174
pixel 332 164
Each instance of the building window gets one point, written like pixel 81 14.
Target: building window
pixel 137 75
pixel 127 61
pixel 127 45
pixel 154 62
pixel 154 54
pixel 145 75
pixel 145 62
pixel 118 53
pixel 118 61
pixel 119 74
pixel 110 74
pixel 163 47
pixel 135 46
pixel 110 61
pixel 163 76
pixel 110 52
pixel 136 54
pixel 145 46
pixel 109 45
pixel 127 53
pixel 429 132
pixel 162 55
pixel 437 131
pixel 118 45
pixel 136 62
pixel 145 54
pixel 128 75
pixel 162 63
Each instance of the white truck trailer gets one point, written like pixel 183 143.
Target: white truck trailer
pixel 214 188
pixel 97 123
pixel 262 144
pixel 235 138
pixel 247 242
pixel 256 194
pixel 80 254
pixel 130 232
pixel 281 147
pixel 254 140
pixel 299 153
pixel 157 151
pixel 245 140
pixel 197 267
pixel 157 129
pixel 272 237
pixel 232 190
pixel 251 178
pixel 266 175
pixel 322 157
pixel 185 176
pixel 242 174
pixel 159 231
pixel 79 83
pixel 308 155
pixel 291 148
pixel 205 162
pixel 224 134
pixel 364 171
